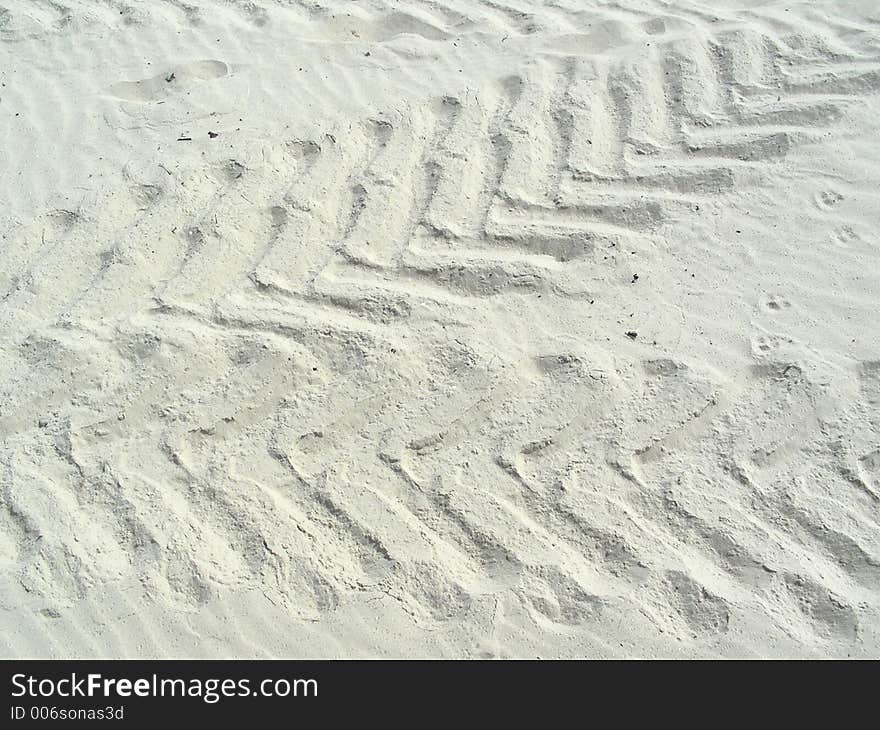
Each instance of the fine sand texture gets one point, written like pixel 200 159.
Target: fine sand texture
pixel 452 328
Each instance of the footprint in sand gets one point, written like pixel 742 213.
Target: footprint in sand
pixel 845 236
pixel 775 303
pixel 165 83
pixel 828 199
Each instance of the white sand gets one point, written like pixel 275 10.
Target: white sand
pixel 353 378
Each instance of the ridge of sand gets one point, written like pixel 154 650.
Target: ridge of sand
pixel 439 328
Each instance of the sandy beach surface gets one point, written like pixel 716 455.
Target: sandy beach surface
pixel 451 328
